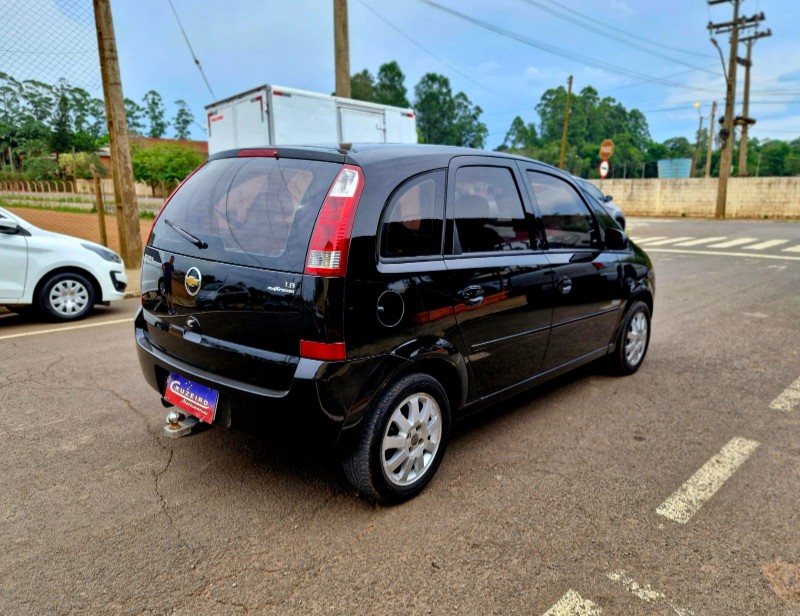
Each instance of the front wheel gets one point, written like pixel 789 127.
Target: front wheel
pixel 66 297
pixel 633 340
pixel 402 442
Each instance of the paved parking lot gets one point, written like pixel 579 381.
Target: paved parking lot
pixel 673 491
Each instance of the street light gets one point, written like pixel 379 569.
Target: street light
pixel 696 157
pixel 721 58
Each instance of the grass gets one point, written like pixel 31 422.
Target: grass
pixel 143 214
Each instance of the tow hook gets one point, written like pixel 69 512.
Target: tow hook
pixel 179 424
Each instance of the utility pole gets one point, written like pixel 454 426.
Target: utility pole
pixel 566 124
pixel 726 134
pixel 696 157
pixel 745 120
pixel 710 139
pixel 127 208
pixel 341 44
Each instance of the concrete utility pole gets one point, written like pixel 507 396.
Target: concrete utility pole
pixel 745 120
pixel 127 208
pixel 341 45
pixel 696 157
pixel 710 139
pixel 566 124
pixel 726 134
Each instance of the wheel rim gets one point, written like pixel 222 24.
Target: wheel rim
pixel 636 339
pixel 69 297
pixel 412 439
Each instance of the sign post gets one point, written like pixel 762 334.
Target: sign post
pixel 606 151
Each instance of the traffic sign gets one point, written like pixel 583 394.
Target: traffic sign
pixel 606 149
pixel 604 168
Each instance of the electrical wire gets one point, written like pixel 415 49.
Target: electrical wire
pixel 194 56
pixel 606 35
pixel 558 51
pixel 433 55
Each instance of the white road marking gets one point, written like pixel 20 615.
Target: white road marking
pixel 789 399
pixel 645 593
pixel 723 254
pixel 572 604
pixel 792 249
pixel 736 242
pixel 683 504
pixel 702 240
pixel 65 329
pixel 644 240
pixel 669 240
pixel 767 244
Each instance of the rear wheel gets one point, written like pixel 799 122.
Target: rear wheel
pixel 633 340
pixel 402 442
pixel 66 297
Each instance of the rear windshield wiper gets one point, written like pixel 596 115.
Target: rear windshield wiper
pixel 186 235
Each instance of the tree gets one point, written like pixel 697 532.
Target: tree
pixel 362 85
pixel 390 88
pixel 520 137
pixel 166 163
pixel 182 120
pixel 435 108
pixel 467 129
pixel 154 111
pixel 134 116
pixel 61 137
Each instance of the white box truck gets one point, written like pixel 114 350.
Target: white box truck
pixel 275 115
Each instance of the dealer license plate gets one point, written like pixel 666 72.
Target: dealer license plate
pixel 195 399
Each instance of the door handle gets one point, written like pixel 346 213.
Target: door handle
pixel 472 295
pixel 564 284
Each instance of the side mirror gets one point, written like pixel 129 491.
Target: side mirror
pixel 616 239
pixel 609 198
pixel 9 227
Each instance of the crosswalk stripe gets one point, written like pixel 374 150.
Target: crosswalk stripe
pixel 572 604
pixel 792 249
pixel 736 242
pixel 788 399
pixel 670 240
pixel 702 240
pixel 767 244
pixel 644 240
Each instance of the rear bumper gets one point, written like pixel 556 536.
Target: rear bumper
pixel 312 413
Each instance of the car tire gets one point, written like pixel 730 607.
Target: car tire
pixel 633 341
pixel 66 297
pixel 402 442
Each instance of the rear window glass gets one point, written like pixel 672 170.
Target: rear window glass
pixel 258 212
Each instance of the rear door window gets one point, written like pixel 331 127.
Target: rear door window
pixel 488 212
pixel 413 221
pixel 258 211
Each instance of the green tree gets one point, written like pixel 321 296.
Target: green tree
pixel 134 116
pixel 520 137
pixel 61 137
pixel 167 163
pixel 362 85
pixel 154 112
pixel 390 88
pixel 435 109
pixel 182 120
pixel 467 129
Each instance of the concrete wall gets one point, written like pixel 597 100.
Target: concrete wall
pixel 770 197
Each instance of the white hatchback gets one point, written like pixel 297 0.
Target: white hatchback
pixel 61 276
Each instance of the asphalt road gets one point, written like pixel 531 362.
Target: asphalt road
pixel 673 491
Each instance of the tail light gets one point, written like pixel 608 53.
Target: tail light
pixel 330 241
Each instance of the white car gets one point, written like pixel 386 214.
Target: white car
pixel 59 275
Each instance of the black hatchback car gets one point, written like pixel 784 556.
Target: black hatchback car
pixel 377 292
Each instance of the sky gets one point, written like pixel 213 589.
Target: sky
pixel 652 55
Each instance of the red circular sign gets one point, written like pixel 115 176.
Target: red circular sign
pixel 606 149
pixel 603 168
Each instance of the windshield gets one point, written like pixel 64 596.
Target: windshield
pixel 250 211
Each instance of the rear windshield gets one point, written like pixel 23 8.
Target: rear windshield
pixel 258 212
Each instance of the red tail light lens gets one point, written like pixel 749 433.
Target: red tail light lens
pixel 330 241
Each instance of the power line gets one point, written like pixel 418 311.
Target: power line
pixel 605 34
pixel 433 55
pixel 607 26
pixel 556 50
pixel 194 57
